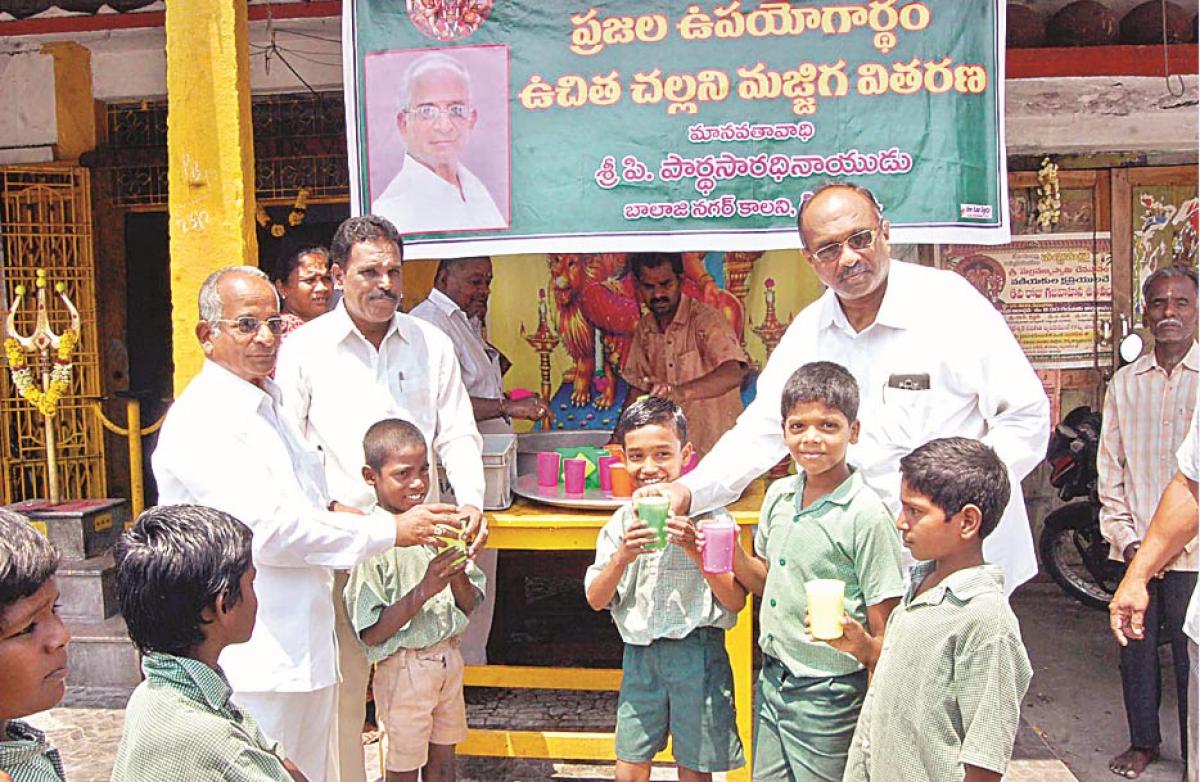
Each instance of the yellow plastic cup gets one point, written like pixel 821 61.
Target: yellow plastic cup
pixel 826 607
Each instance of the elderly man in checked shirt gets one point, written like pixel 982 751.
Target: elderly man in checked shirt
pixel 932 359
pixel 1146 414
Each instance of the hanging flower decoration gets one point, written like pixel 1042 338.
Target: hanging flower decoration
pixel 295 217
pixel 1049 203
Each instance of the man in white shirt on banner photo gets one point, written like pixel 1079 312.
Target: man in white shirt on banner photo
pixel 434 191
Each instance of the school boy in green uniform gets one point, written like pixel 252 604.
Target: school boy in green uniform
pixel 945 700
pixel 823 523
pixel 676 677
pixel 33 649
pixel 185 583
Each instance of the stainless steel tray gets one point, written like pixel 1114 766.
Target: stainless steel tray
pixel 593 499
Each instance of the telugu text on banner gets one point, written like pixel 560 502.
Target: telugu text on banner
pixel 505 126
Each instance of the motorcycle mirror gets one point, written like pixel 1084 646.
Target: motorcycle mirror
pixel 1130 347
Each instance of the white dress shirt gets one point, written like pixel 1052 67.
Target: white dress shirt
pixel 335 384
pixel 1188 457
pixel 419 201
pixel 931 322
pixel 479 361
pixel 224 445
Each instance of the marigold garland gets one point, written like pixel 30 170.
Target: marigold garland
pixel 46 401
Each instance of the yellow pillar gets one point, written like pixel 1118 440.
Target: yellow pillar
pixel 74 108
pixel 210 154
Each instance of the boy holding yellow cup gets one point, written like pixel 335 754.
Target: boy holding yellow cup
pixel 825 544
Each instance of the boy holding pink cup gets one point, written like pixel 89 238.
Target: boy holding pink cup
pixel 672 614
pixel 824 539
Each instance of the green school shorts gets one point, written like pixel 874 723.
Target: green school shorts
pixel 683 688
pixel 803 725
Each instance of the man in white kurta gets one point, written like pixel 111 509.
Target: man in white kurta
pixel 434 191
pixel 225 444
pixel 932 359
pixel 457 305
pixel 356 365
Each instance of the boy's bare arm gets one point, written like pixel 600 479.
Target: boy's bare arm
pixel 860 643
pixel 977 774
pixel 603 588
pixel 289 767
pixel 727 589
pixel 749 570
pixel 682 532
pixel 441 570
pixel 466 596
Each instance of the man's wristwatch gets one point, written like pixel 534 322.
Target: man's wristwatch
pixel 503 401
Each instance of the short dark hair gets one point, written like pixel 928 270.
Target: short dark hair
pixel 821 381
pixel 652 410
pixel 290 253
pixel 388 436
pixel 27 559
pixel 171 565
pixel 954 472
pixel 1167 273
pixel 355 230
pixel 447 265
pixel 830 185
pixel 641 261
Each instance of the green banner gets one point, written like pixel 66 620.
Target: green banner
pixel 505 126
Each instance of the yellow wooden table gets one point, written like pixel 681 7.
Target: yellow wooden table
pixel 532 526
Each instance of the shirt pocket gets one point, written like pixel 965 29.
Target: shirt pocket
pixel 904 415
pixel 684 366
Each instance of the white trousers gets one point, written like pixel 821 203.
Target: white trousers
pixel 475 637
pixel 302 722
pixel 352 692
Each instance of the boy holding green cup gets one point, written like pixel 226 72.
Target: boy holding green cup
pixel 676 679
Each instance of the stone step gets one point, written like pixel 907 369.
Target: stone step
pixel 78 528
pixel 101 655
pixel 87 588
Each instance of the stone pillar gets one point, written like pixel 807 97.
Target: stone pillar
pixel 210 154
pixel 74 108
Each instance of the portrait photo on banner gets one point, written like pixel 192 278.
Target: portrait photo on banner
pixel 438 152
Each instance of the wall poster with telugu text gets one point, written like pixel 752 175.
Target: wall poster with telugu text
pixel 515 126
pixel 1052 291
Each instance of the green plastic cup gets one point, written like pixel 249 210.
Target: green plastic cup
pixel 654 511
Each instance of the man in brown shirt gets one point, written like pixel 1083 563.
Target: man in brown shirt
pixel 684 350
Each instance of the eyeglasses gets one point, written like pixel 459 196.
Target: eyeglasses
pixel 249 325
pixel 457 112
pixel 859 240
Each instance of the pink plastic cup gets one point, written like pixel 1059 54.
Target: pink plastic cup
pixel 719 539
pixel 547 468
pixel 604 465
pixel 575 475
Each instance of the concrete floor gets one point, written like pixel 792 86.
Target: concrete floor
pixel 1074 701
pixel 1072 714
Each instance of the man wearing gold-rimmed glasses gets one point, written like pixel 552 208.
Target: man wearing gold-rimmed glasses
pixel 434 191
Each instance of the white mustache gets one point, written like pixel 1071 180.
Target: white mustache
pixel 1168 322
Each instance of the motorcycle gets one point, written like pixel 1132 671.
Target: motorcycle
pixel 1071 547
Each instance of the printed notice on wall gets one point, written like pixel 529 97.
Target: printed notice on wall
pixel 1053 291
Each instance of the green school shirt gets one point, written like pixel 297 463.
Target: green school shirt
pixel 661 594
pixel 384 579
pixel 26 757
pixel 180 724
pixel 849 535
pixel 948 687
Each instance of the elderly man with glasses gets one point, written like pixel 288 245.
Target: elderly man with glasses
pixel 932 359
pixel 225 444
pixel 434 191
